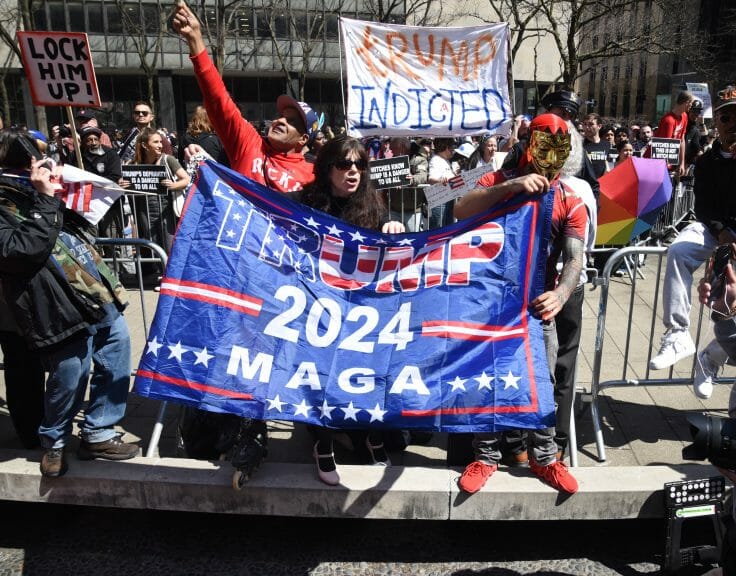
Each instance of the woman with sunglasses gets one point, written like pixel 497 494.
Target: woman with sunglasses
pixel 342 189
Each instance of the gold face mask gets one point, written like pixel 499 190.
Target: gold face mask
pixel 549 152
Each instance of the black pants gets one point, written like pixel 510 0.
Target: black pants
pixel 24 387
pixel 568 323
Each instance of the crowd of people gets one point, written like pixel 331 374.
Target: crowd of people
pixel 49 262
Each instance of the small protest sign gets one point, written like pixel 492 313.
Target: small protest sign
pixel 144 177
pixel 389 172
pixel 666 149
pixel 460 185
pixel 700 91
pixel 59 68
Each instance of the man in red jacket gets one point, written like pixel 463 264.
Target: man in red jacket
pixel 276 160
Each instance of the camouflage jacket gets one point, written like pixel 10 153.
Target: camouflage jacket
pixel 50 294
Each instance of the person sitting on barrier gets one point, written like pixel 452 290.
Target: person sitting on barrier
pixel 537 173
pixel 342 189
pixel 715 211
pixel 276 160
pixel 68 306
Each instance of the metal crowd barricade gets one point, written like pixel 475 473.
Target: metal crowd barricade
pixel 680 207
pixel 641 334
pixel 134 257
pixel 408 205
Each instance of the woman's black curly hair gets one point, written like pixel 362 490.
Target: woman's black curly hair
pixel 365 207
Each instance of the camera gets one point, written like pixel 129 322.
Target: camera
pixel 714 439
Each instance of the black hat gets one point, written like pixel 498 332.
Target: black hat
pixel 726 97
pixel 84 114
pixel 696 106
pixel 564 99
pixel 87 130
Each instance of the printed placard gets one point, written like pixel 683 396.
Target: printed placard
pixel 59 68
pixel 438 194
pixel 666 149
pixel 389 172
pixel 701 92
pixel 145 177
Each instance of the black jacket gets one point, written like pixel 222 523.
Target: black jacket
pixel 715 200
pixel 45 306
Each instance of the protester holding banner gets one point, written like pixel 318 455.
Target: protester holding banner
pixel 67 304
pixel 276 160
pixel 342 188
pixel 715 211
pixel 537 172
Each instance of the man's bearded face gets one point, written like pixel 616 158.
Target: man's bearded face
pixel 549 152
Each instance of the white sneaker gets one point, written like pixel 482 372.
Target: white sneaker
pixel 675 345
pixel 705 371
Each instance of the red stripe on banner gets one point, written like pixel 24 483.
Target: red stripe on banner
pixel 469 410
pixel 506 332
pixel 257 302
pixel 193 385
pixel 534 400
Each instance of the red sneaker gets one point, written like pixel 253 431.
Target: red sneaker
pixel 556 475
pixel 475 475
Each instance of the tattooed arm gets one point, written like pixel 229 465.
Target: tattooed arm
pixel 549 304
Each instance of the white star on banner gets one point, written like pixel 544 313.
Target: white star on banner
pixel 357 236
pixel 381 241
pixel 236 216
pixel 484 381
pixel 334 230
pixel 457 384
pixel 203 357
pixel 311 222
pixel 326 410
pixel 511 381
pixel 241 203
pixel 302 408
pixel 275 403
pixel 177 351
pixel 406 242
pixel 153 346
pixel 230 233
pixel 376 414
pixel 351 413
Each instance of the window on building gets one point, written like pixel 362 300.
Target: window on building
pixel 331 27
pixel 151 19
pixel 76 18
pixel 39 19
pixel 301 24
pixel 602 103
pixel 626 103
pixel 272 21
pixel 240 22
pixel 95 19
pixel 595 42
pixel 114 23
pixel 613 106
pixel 616 71
pixel 56 17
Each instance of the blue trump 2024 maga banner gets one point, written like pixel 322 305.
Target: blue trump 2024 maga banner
pixel 272 310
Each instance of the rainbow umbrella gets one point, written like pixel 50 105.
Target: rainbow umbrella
pixel 632 196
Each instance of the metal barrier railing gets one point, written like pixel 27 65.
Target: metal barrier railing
pixel 643 338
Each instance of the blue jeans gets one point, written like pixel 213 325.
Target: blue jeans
pixel 441 215
pixel 69 367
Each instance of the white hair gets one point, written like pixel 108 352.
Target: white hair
pixel 574 162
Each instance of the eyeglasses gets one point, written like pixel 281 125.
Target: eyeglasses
pixel 141 112
pixel 346 164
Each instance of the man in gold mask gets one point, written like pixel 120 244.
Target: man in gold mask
pixel 537 174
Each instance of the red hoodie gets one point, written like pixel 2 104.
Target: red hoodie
pixel 249 153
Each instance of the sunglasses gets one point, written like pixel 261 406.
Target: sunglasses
pixel 725 118
pixel 141 112
pixel 346 164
